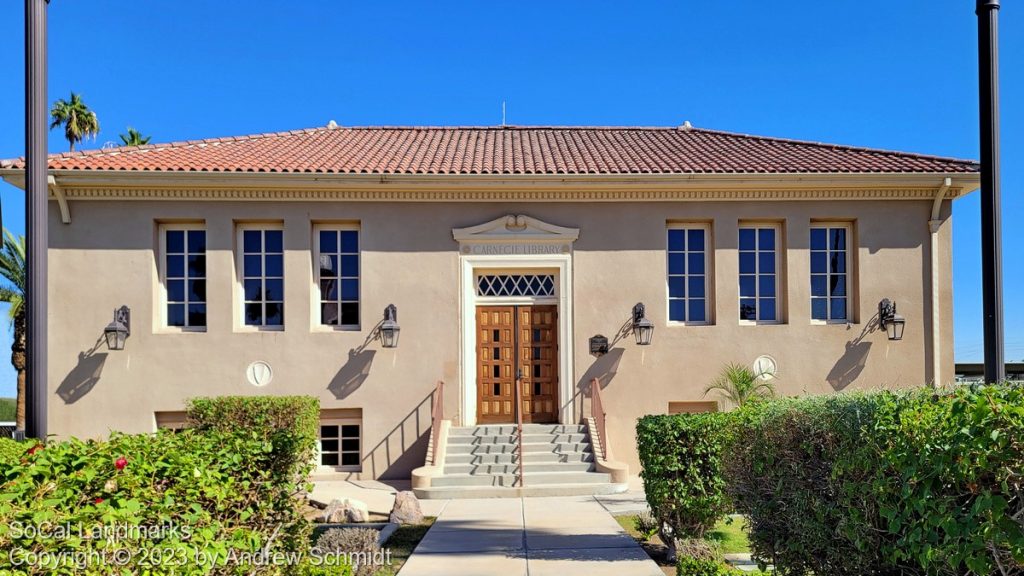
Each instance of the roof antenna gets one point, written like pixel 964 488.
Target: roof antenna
pixel 503 113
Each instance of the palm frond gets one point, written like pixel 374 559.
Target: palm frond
pixel 739 384
pixel 78 121
pixel 13 273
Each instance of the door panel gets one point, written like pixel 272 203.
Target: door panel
pixel 538 345
pixel 502 332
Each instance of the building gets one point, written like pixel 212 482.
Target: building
pixel 264 264
pixel 974 372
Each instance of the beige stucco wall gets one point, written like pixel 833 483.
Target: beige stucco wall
pixel 106 257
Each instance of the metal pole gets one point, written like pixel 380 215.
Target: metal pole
pixel 991 225
pixel 37 193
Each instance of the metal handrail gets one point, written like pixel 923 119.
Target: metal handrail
pixel 599 415
pixel 436 416
pixel 519 429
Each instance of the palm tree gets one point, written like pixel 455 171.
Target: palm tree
pixel 79 122
pixel 12 291
pixel 739 384
pixel 134 138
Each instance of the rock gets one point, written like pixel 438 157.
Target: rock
pixel 348 510
pixel 406 509
pixel 356 511
pixel 334 513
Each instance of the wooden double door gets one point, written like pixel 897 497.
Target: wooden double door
pixel 517 342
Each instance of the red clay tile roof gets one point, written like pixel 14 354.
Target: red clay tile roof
pixel 505 150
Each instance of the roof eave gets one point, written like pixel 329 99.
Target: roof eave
pixel 964 182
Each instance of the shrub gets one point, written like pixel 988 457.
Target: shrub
pixel 646 525
pixel 681 460
pixel 209 494
pixel 291 423
pixel 883 483
pixel 8 408
pixel 361 544
pixel 689 566
pixel 288 427
pixel 11 451
pixel 781 467
pixel 950 493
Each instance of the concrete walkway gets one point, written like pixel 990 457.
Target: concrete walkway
pixel 528 536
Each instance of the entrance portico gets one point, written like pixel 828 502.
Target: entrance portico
pixel 516 264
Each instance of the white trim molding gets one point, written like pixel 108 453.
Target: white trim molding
pixel 515 232
pixel 167 185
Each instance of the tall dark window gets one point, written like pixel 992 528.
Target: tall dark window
pixel 338 264
pixel 263 277
pixel 759 263
pixel 830 274
pixel 185 276
pixel 687 274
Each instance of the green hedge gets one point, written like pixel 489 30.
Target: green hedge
pixel 873 483
pixel 698 567
pixel 681 461
pixel 11 452
pixel 7 409
pixel 289 423
pixel 220 494
pixel 199 502
pixel 799 468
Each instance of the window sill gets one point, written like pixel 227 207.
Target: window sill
pixel 180 330
pixel 688 324
pixel 832 322
pixel 761 323
pixel 327 329
pixel 337 470
pixel 257 329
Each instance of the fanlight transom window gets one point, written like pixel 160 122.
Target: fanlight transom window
pixel 515 285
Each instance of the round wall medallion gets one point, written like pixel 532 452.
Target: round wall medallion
pixel 765 367
pixel 259 373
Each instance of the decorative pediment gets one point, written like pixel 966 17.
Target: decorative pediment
pixel 516 229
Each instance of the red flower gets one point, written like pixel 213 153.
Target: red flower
pixel 34 449
pixel 120 463
pixel 98 501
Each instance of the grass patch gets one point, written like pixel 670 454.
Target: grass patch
pixel 402 543
pixel 730 536
pixel 7 409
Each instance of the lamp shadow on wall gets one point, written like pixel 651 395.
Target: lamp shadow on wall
pixel 604 369
pixel 352 375
pixel 84 376
pixel 851 364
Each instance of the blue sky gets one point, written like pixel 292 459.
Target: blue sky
pixel 897 75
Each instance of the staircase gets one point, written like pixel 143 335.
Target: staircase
pixel 483 461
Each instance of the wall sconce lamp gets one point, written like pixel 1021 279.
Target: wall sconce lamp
pixel 643 328
pixel 389 329
pixel 119 329
pixel 889 320
pixel 598 345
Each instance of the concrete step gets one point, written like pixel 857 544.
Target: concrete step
pixel 531 479
pixel 453 492
pixel 509 458
pixel 511 468
pixel 512 439
pixel 506 429
pixel 533 447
